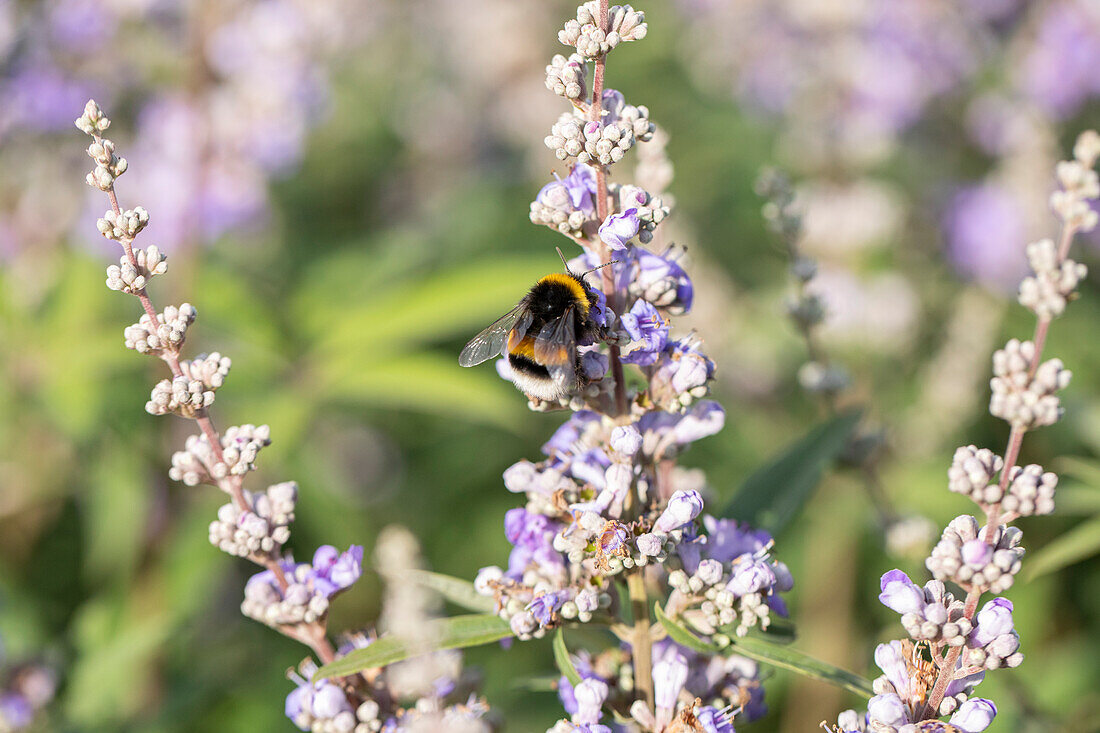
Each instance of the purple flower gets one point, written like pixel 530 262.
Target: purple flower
pixel 683 507
pixel 15 710
pixel 976 553
pixel 974 715
pixel 660 280
pixel 334 571
pixel 565 438
pixel 618 229
pixel 669 675
pixel 583 664
pixel 614 538
pixel 888 709
pixel 547 604
pixel 648 332
pixel 612 101
pixel 1059 73
pixel 985 234
pixel 649 544
pixel 750 576
pixel 726 539
pixel 573 193
pixel 589 695
pixel 626 439
pixel 703 419
pixel 900 594
pixel 995 619
pixel 532 537
pixel 322 700
pixel 891 660
pixel 713 720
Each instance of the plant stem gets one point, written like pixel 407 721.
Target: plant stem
pixel 993 511
pixel 232 485
pixel 595 113
pixel 641 646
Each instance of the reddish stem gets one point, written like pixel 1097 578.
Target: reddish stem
pixel 595 113
pixel 993 515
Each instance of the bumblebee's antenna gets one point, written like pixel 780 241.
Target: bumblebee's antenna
pixel 600 267
pixel 562 259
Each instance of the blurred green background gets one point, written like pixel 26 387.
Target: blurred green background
pixel 401 232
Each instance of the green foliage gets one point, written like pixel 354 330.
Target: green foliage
pixel 774 493
pixel 457 632
pixel 457 591
pixel 563 660
pixel 769 653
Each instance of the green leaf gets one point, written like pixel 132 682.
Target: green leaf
pixel 563 660
pixel 770 653
pixel 1081 542
pixel 680 634
pixel 428 382
pixel 1085 471
pixel 456 590
pixel 458 300
pixel 771 496
pixel 457 632
pixel 1078 499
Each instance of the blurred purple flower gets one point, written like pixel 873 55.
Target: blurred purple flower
pixel 1059 72
pixel 986 235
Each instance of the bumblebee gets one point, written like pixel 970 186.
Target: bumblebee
pixel 539 336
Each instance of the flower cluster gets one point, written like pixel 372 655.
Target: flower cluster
pixel 418 695
pixel 288 596
pixel 608 506
pixel 951 642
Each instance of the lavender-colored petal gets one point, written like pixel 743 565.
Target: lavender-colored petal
pixel 974 715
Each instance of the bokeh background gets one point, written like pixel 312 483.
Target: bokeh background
pixel 342 188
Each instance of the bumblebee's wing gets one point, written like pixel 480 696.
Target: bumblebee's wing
pixel 490 342
pixel 556 346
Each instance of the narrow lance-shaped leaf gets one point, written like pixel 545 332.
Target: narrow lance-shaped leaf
pixel 1083 541
pixel 456 590
pixel 772 495
pixel 769 653
pixel 457 632
pixel 563 660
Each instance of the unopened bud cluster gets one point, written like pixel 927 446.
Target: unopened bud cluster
pixel 260 530
pixel 966 559
pixel 566 77
pixel 734 594
pixel 1080 186
pixel 108 165
pixel 298 604
pixel 1023 399
pixel 591 39
pixel 972 472
pixel 125 225
pixel 1046 292
pixel 167 334
pixel 193 390
pixel 240 445
pixel 940 620
pixel 591 142
pixel 132 278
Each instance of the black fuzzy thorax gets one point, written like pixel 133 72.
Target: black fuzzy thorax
pixel 547 301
